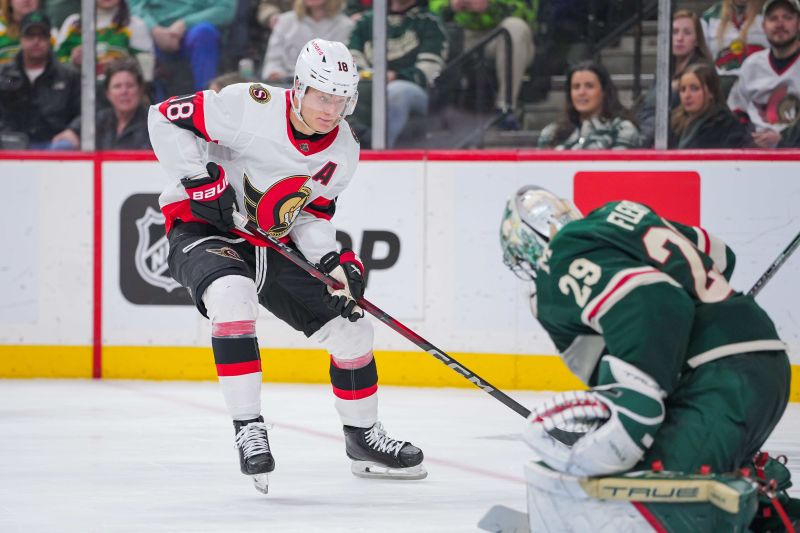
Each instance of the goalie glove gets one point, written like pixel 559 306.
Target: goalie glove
pixel 346 268
pixel 602 431
pixel 211 198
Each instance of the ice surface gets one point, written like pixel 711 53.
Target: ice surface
pixel 99 456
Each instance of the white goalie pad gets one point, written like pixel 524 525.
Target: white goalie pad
pixel 557 503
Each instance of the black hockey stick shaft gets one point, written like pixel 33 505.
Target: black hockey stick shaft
pixel 773 268
pixel 296 258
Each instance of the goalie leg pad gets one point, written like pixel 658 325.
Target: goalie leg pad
pixel 637 502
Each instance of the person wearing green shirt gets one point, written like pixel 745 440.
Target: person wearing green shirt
pixel 188 30
pixel 479 17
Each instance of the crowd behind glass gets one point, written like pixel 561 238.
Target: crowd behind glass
pixel 735 77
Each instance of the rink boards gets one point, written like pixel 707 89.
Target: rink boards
pixel 86 290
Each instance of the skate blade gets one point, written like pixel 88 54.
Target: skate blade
pixel 261 482
pixel 370 470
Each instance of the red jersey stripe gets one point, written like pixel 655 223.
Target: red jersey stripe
pixel 358 394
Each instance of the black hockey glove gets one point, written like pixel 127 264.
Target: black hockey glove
pixel 346 268
pixel 211 198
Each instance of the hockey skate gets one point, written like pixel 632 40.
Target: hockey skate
pixel 376 455
pixel 255 458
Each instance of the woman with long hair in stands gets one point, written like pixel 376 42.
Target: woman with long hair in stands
pixel 702 119
pixel 594 118
pixel 688 48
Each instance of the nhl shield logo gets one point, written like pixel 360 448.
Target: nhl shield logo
pixel 151 257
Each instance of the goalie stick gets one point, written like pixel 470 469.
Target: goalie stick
pixel 773 268
pixel 292 255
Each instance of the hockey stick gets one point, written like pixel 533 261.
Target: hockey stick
pixel 292 255
pixel 773 268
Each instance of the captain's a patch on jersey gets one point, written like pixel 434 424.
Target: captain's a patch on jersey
pixel 225 251
pixel 259 93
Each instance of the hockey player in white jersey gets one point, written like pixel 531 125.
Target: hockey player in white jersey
pixel 281 157
pixel 767 95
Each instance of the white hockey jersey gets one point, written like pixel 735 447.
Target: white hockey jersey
pixel 286 185
pixel 770 97
pixel 732 48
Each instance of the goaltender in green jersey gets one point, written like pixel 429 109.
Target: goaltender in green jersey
pixel 684 373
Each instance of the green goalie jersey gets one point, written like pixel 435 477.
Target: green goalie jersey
pixel 655 293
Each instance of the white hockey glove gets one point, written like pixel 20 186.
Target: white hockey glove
pixel 346 268
pixel 601 431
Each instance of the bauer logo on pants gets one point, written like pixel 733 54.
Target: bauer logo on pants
pixel 144 275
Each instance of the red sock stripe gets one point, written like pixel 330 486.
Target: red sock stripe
pixel 233 329
pixel 355 394
pixel 239 369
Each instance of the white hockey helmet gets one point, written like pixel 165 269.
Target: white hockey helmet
pixel 327 66
pixel 531 219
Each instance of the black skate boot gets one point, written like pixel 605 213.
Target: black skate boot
pixel 255 458
pixel 376 455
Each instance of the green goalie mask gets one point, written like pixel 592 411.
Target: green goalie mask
pixel 532 217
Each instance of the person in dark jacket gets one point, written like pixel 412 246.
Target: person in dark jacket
pixel 38 95
pixel 123 125
pixel 702 120
pixel 790 137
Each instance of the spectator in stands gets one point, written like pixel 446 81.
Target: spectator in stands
pixel 229 78
pixel 189 30
pixel 702 120
pixel 268 11
pixel 11 13
pixel 355 8
pixel 478 18
pixel 594 117
pixel 122 125
pixel 688 48
pixel 416 52
pixel 310 19
pixel 58 10
pixel 767 95
pixel 118 33
pixel 261 25
pixel 733 31
pixel 38 95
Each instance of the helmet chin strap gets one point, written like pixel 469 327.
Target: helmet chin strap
pixel 297 110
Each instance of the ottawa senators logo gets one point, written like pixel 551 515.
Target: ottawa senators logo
pixel 225 251
pixel 782 107
pixel 275 209
pixel 259 93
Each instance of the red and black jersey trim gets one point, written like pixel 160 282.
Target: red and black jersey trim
pixel 187 112
pixel 321 208
pixel 356 383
